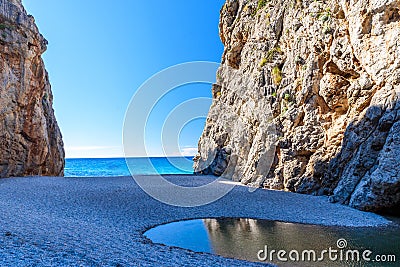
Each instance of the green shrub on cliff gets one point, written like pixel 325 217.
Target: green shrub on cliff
pixel 276 75
pixel 263 62
pixel 261 4
pixel 271 53
pixel 6 26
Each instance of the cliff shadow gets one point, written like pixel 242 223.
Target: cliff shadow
pixel 365 173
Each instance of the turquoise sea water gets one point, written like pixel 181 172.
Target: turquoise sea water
pixel 119 166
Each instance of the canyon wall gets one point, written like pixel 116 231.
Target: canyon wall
pixel 307 100
pixel 30 140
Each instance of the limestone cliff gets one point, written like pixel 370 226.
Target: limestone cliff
pixel 30 140
pixel 307 99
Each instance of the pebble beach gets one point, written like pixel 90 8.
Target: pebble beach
pixel 48 221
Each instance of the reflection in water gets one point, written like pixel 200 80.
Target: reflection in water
pixel 244 238
pixel 186 234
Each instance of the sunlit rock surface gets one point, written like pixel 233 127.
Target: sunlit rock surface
pixel 30 140
pixel 307 100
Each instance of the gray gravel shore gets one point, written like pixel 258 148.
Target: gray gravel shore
pixel 48 221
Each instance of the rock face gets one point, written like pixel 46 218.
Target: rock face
pixel 30 140
pixel 308 100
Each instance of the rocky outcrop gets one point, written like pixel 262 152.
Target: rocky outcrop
pixel 30 140
pixel 307 100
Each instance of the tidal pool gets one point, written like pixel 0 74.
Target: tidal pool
pixel 293 244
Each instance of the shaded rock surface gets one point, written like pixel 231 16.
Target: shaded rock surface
pixel 307 100
pixel 30 140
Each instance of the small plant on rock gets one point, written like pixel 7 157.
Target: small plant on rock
pixel 325 15
pixel 271 53
pixel 276 75
pixel 263 62
pixel 261 4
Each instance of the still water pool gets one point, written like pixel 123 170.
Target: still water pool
pixel 300 244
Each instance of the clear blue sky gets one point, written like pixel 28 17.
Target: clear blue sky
pixel 101 51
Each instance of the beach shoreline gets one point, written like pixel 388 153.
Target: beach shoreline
pixel 101 220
